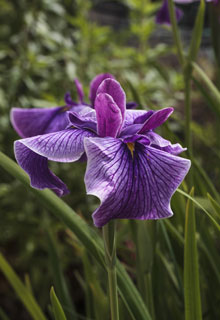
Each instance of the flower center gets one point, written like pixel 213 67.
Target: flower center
pixel 130 146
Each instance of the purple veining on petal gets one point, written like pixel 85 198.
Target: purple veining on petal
pixel 131 185
pixel 31 122
pixel 163 16
pixel 95 84
pixel 62 146
pixel 156 119
pixel 160 143
pixel 37 168
pixel 79 89
pixel 33 153
pixel 114 89
pixel 109 117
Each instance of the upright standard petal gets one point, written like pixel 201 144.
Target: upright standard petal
pixel 163 16
pixel 114 89
pixel 109 117
pixel 95 84
pixel 33 153
pixel 132 180
pixel 156 119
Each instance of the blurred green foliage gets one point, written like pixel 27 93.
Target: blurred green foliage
pixel 44 45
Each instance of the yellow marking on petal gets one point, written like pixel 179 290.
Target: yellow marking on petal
pixel 64 109
pixel 131 148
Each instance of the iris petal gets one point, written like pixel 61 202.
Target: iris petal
pixel 31 122
pixel 132 115
pixel 95 84
pixel 33 153
pixel 158 142
pixel 114 89
pixel 131 186
pixel 109 118
pixel 84 121
pixel 63 146
pixel 37 168
pixel 156 119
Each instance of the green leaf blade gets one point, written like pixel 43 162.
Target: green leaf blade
pixel 56 306
pixel 21 290
pixel 191 267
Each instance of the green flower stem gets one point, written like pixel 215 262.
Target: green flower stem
pixel 211 88
pixel 214 13
pixel 188 112
pixel 110 258
pixel 176 35
pixel 144 232
pixel 149 294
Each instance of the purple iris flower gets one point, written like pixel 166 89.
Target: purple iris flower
pixel 163 16
pixel 131 169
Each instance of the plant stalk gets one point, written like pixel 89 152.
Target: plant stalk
pixel 110 258
pixel 176 35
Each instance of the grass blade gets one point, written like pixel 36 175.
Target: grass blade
pixel 59 280
pixel 197 32
pixel 201 207
pixel 56 306
pixel 23 293
pixel 191 268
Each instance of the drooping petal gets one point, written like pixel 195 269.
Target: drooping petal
pixel 109 117
pixel 33 153
pixel 156 119
pixel 79 89
pixel 163 16
pixel 156 141
pixel 132 181
pixel 95 84
pixel 114 89
pixel 36 167
pixel 63 146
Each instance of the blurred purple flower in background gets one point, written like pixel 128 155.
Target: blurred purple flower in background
pixel 131 169
pixel 163 16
